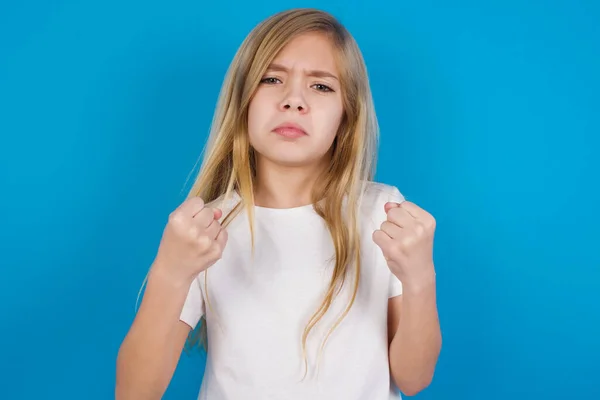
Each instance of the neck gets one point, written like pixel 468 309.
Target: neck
pixel 279 186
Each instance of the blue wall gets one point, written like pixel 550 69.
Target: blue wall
pixel 490 120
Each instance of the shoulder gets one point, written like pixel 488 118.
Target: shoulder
pixel 377 193
pixel 374 197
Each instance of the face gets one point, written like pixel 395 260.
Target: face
pixel 295 113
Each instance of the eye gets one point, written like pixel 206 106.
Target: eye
pixel 270 80
pixel 322 88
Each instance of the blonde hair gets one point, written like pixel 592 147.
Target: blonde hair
pixel 229 163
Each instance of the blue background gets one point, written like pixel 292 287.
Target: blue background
pixel 490 120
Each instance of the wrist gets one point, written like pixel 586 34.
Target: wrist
pixel 426 283
pixel 163 274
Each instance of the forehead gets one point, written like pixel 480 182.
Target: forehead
pixel 309 51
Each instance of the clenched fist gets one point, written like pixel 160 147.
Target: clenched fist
pixel 192 241
pixel 406 240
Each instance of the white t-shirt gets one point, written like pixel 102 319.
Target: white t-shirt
pixel 259 308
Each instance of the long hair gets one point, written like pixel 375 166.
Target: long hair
pixel 229 166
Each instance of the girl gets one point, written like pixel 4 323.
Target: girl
pixel 309 280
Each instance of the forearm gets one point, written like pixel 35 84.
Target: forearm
pixel 416 344
pixel 150 351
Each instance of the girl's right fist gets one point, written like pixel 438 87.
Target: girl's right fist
pixel 192 241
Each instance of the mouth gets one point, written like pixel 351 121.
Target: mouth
pixel 290 130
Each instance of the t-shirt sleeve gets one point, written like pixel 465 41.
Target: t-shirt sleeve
pixel 193 308
pixel 392 194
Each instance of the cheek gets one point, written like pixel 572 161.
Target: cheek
pixel 260 112
pixel 255 117
pixel 331 118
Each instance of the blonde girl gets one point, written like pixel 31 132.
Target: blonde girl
pixel 305 278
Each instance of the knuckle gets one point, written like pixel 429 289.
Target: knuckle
pixel 197 201
pixel 432 222
pixel 420 228
pixel 395 252
pixel 193 232
pixel 377 235
pixel 204 243
pixel 405 242
pixel 177 224
pixel 174 217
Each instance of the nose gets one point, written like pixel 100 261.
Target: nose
pixel 295 101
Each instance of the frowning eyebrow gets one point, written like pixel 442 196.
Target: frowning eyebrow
pixel 315 73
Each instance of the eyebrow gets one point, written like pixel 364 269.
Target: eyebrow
pixel 316 73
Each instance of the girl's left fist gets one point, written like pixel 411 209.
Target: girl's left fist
pixel 406 240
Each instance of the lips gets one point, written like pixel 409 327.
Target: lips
pixel 290 130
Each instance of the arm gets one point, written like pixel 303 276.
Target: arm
pixel 192 241
pixel 150 352
pixel 406 240
pixel 415 338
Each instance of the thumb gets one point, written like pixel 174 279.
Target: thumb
pixel 389 205
pixel 217 213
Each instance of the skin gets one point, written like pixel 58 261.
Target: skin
pixel 300 87
pixel 192 241
pixel 406 240
pixel 290 92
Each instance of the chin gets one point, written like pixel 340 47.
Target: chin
pixel 290 154
pixel 292 162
